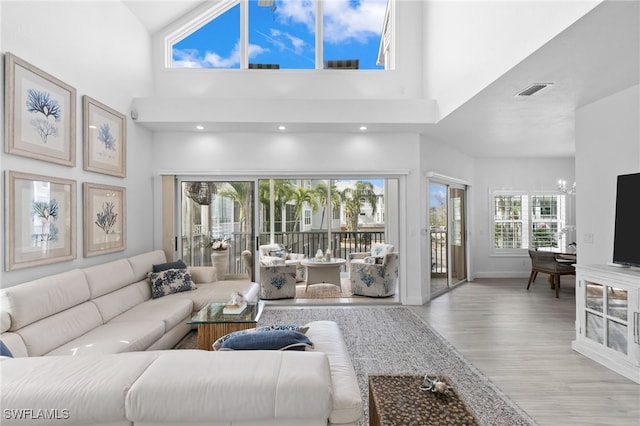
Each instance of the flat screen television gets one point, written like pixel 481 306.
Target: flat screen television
pixel 626 241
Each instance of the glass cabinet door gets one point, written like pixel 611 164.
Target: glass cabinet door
pixel 606 316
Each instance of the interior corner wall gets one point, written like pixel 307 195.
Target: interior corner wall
pixel 103 51
pixel 440 158
pixel 607 145
pixel 470 35
pixel 539 174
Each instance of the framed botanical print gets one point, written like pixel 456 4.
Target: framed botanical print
pixel 105 138
pixel 105 228
pixel 41 220
pixel 41 114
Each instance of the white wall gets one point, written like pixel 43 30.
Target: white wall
pixel 607 145
pixel 509 174
pixel 487 37
pixel 453 166
pixel 104 52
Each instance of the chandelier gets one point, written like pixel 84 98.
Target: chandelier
pixel 569 190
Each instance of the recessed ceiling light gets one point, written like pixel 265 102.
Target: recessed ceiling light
pixel 363 128
pixel 199 127
pixel 282 128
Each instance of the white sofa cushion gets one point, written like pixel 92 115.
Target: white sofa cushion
pixel 143 263
pixel 347 400
pixel 117 302
pixel 203 274
pixel 114 337
pixel 168 310
pixel 34 300
pixel 92 388
pixel 15 344
pixel 49 333
pixel 5 321
pixel 287 385
pixel 108 277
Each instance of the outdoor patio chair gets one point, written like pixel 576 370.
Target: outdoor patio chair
pixel 369 278
pixel 277 282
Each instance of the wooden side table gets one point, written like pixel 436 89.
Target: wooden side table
pixel 396 400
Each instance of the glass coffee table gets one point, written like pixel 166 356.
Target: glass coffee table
pixel 213 324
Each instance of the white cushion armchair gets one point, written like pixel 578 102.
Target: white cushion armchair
pixel 374 273
pixel 277 282
pixel 276 254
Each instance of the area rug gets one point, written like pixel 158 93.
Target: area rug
pixel 323 291
pixel 394 340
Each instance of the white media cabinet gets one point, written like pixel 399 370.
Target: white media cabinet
pixel 608 317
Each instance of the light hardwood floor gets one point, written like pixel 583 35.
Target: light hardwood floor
pixel 521 340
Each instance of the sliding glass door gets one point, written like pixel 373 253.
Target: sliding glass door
pixel 447 220
pixel 219 218
pixel 216 223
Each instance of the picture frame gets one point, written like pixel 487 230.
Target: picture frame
pixel 40 112
pixel 41 220
pixel 105 228
pixel 105 138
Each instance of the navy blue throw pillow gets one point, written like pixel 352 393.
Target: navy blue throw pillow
pixel 178 264
pixel 279 340
pixel 4 350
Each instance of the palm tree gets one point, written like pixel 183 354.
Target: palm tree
pixel 322 192
pixel 240 193
pixel 355 198
pixel 300 196
pixel 282 194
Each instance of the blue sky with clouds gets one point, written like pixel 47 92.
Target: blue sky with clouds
pixel 284 34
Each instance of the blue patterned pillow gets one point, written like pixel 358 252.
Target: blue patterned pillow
pixel 4 350
pixel 282 254
pixel 279 340
pixel 217 345
pixel 170 281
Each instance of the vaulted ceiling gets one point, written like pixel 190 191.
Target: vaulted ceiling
pixel 597 56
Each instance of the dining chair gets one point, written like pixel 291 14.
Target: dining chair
pixel 545 262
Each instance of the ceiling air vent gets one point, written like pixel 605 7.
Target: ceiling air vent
pixel 533 89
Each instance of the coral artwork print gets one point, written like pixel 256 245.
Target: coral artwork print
pixel 106 137
pixel 107 218
pixel 47 213
pixel 46 111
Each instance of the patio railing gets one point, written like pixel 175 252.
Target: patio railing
pixel 438 251
pixel 343 243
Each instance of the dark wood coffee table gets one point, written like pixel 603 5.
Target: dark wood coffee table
pixel 396 400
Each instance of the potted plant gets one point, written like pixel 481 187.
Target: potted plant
pixel 220 254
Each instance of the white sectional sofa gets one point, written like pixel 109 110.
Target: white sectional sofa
pixel 89 344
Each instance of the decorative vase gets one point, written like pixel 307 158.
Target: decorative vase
pixel 220 259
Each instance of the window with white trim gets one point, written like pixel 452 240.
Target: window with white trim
pixel 523 220
pixel 290 34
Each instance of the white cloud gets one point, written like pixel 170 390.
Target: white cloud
pixel 346 21
pixel 298 11
pixel 192 58
pixel 343 19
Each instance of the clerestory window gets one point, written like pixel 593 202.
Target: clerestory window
pixel 286 34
